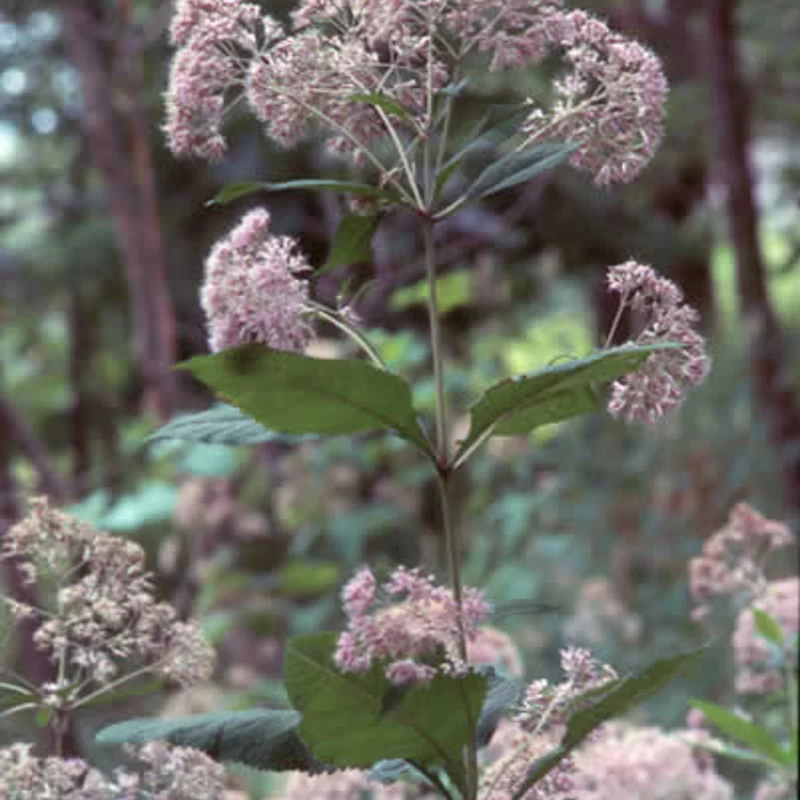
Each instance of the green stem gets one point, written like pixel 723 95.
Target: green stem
pixel 443 473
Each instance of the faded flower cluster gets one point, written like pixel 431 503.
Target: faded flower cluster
pixel 733 560
pixel 104 618
pixel 404 623
pixel 339 55
pixel 758 671
pixel 342 785
pixel 252 292
pixel 661 383
pixel 166 773
pixel 645 764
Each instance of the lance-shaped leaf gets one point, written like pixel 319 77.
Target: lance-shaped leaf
pixel 386 103
pixel 521 404
pixel 236 191
pixel 259 737
pixel 621 696
pixel 347 721
pixel 352 242
pixel 222 424
pixel 295 394
pixel 755 737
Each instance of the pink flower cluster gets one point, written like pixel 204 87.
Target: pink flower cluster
pixel 733 560
pixel 645 764
pixel 660 384
pixel 252 292
pixel 611 101
pixel 757 669
pixel 342 785
pixel 406 625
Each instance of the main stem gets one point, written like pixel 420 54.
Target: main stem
pixel 444 471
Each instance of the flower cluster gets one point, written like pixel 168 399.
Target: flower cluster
pixel 660 384
pixel 104 612
pixel 733 559
pixel 493 647
pixel 758 671
pixel 413 621
pixel 645 764
pixel 252 292
pixel 610 101
pixel 546 706
pixel 343 785
pixel 515 749
pixel 168 773
pixel 339 52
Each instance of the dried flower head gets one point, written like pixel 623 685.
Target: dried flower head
pixel 660 384
pixel 411 618
pixel 759 663
pixel 104 614
pixel 546 707
pixel 514 750
pixel 252 292
pixel 733 560
pixel 645 764
pixel 167 773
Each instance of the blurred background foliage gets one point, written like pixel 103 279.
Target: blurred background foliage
pixel 579 535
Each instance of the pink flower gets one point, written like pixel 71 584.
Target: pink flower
pixel 416 619
pixel 611 101
pixel 252 292
pixel 660 384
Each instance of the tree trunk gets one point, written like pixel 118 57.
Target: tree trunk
pixel 772 389
pixel 116 128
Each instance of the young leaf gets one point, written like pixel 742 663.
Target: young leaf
pixel 352 242
pixel 519 405
pixel 622 696
pixel 258 737
pixel 743 731
pixel 768 627
pixel 222 424
pixel 518 166
pixel 347 723
pixel 235 191
pixel 296 394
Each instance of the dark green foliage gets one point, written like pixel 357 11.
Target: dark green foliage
pixel 261 738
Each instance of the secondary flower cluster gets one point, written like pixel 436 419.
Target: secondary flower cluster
pixel 252 292
pixel 660 384
pixel 733 559
pixel 407 624
pixel 167 773
pixel 339 54
pixel 104 613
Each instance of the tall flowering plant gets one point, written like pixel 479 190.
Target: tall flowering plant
pixel 398 691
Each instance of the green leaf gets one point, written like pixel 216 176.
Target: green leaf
pixel 519 405
pixel 352 242
pixel 347 722
pixel 258 737
pixel 743 731
pixel 504 695
pixel 768 627
pixel 622 695
pixel 222 424
pixel 235 191
pixel 385 102
pixel 518 166
pixel 296 394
